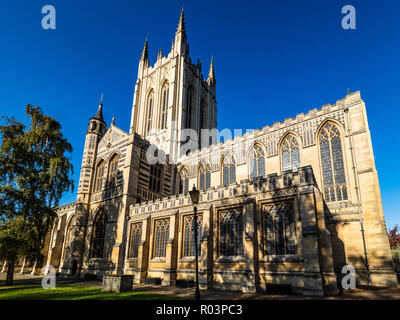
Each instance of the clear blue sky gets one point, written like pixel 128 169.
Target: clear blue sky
pixel 273 59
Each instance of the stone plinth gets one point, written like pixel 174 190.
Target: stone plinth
pixel 117 283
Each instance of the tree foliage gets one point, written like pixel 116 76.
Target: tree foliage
pixel 394 237
pixel 35 170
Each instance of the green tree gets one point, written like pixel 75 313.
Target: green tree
pixel 35 170
pixel 13 243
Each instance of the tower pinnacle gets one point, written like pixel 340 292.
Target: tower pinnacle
pixel 145 52
pixel 211 72
pixel 181 23
pixel 99 113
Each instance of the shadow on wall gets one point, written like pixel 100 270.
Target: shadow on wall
pixel 338 249
pixel 100 236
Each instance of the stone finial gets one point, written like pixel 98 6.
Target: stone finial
pixel 211 72
pixel 181 23
pixel 99 113
pixel 145 52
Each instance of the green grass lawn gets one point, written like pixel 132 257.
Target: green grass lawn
pixel 34 291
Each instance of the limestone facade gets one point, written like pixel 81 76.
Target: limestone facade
pixel 291 203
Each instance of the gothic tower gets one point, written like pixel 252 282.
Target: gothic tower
pixel 96 130
pixel 171 96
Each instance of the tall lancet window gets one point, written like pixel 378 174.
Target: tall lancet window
pixel 155 177
pixel 203 122
pixel 161 238
pixel 231 233
pixel 290 153
pixel 257 162
pixel 189 247
pixel 113 171
pixel 279 228
pixel 99 231
pixel 183 181
pixel 229 170
pixel 189 108
pixel 164 106
pixel 332 164
pixel 204 177
pixel 149 113
pixel 98 184
pixel 136 235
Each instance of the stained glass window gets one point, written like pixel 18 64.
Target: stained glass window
pixel 189 242
pixel 113 171
pixel 99 176
pixel 279 228
pixel 99 230
pixel 189 108
pixel 136 235
pixel 205 177
pixel 161 238
pixel 333 175
pixel 164 105
pixel 149 113
pixel 229 170
pixel 257 162
pixel 269 234
pixel 231 233
pixel 156 172
pixel 183 181
pixel 290 153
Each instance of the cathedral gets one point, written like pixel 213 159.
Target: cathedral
pixel 289 204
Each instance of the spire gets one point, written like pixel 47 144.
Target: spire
pixel 211 72
pixel 145 52
pixel 181 24
pixel 99 113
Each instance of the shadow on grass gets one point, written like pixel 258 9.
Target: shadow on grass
pixel 74 292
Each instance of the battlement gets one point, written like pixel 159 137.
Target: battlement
pixel 272 183
pixel 276 130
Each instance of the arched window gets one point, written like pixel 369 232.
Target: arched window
pixel 164 106
pixel 113 171
pixel 231 233
pixel 229 170
pixel 189 108
pixel 203 121
pixel 98 185
pixel 290 153
pixel 149 113
pixel 136 235
pixel 161 237
pixel 189 246
pixel 205 177
pixel 257 162
pixel 99 231
pixel 333 175
pixel 279 229
pixel 155 177
pixel 183 181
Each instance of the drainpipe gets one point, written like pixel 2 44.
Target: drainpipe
pixel 346 111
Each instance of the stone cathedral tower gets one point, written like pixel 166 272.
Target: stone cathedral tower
pixel 291 203
pixel 172 95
